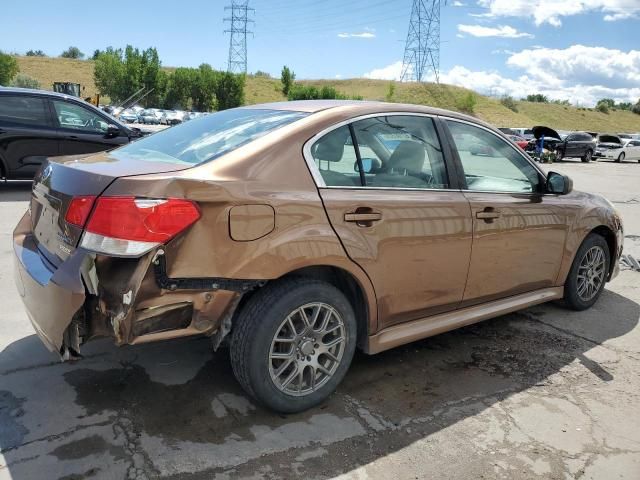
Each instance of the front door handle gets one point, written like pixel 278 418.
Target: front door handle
pixel 489 214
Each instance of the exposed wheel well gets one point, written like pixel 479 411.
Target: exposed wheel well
pixel 343 281
pixel 610 237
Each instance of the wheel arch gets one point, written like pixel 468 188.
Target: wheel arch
pixel 358 295
pixel 612 243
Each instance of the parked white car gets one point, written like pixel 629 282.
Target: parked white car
pixel 630 150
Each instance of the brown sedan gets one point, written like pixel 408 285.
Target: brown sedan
pixel 299 231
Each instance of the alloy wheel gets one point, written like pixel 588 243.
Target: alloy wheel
pixel 307 349
pixel 591 273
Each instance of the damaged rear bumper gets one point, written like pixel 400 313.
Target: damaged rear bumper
pixel 132 300
pixel 51 296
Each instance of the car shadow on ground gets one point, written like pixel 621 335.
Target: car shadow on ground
pixel 187 414
pixel 15 191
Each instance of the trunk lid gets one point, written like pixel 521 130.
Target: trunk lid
pixel 62 178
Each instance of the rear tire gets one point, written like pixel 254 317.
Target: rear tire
pixel 588 273
pixel 587 156
pixel 620 158
pixel 285 362
pixel 559 155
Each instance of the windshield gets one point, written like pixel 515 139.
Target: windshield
pixel 207 137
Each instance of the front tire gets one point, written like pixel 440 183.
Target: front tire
pixel 620 158
pixel 588 273
pixel 559 155
pixel 292 343
pixel 587 156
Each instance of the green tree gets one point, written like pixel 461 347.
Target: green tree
pixel 25 81
pixel 180 88
pixel 96 54
pixel 8 68
pixel 603 106
pixel 72 52
pixel 229 90
pixel 287 77
pixel 35 53
pixel 121 73
pixel 636 108
pixel 609 102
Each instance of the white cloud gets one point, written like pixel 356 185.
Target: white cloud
pixel 505 31
pixel 357 35
pixel 552 11
pixel 580 74
pixel 390 72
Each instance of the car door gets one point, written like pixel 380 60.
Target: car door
pixel 518 231
pixel 385 187
pixel 82 130
pixel 572 146
pixel 633 150
pixel 27 135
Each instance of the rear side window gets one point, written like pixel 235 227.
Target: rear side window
pixel 335 157
pixel 209 137
pixel 23 110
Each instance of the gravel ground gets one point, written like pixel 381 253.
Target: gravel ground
pixel 542 393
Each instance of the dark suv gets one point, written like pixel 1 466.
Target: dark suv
pixel 576 144
pixel 36 124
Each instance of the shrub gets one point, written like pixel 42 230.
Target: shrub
pixel 390 91
pixel 8 68
pixel 537 98
pixel 509 102
pixel 636 108
pixel 35 53
pixel 302 92
pixel 25 81
pixel 602 107
pixel 467 103
pixel 262 74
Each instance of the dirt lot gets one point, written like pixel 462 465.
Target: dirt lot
pixel 541 393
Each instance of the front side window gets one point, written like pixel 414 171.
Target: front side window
pixel 23 110
pixel 394 152
pixel 490 164
pixel 77 117
pixel 209 137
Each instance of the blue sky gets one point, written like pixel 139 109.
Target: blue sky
pixel 575 49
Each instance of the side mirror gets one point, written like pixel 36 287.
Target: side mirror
pixel 558 183
pixel 112 131
pixel 368 165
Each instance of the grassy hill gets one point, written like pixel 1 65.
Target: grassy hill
pixel 262 89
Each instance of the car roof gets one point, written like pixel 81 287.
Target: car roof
pixel 360 107
pixel 32 91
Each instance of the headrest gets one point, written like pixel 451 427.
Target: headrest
pixel 408 156
pixel 331 147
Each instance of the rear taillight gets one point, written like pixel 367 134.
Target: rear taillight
pixel 79 210
pixel 129 226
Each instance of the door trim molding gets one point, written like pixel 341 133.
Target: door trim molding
pixel 397 335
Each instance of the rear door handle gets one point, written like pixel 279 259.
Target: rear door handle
pixel 489 214
pixel 362 217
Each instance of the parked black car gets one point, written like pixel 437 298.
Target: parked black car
pixel 576 144
pixel 35 124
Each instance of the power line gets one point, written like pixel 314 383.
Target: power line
pixel 238 40
pixel 422 48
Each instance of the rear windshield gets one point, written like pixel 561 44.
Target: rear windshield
pixel 209 137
